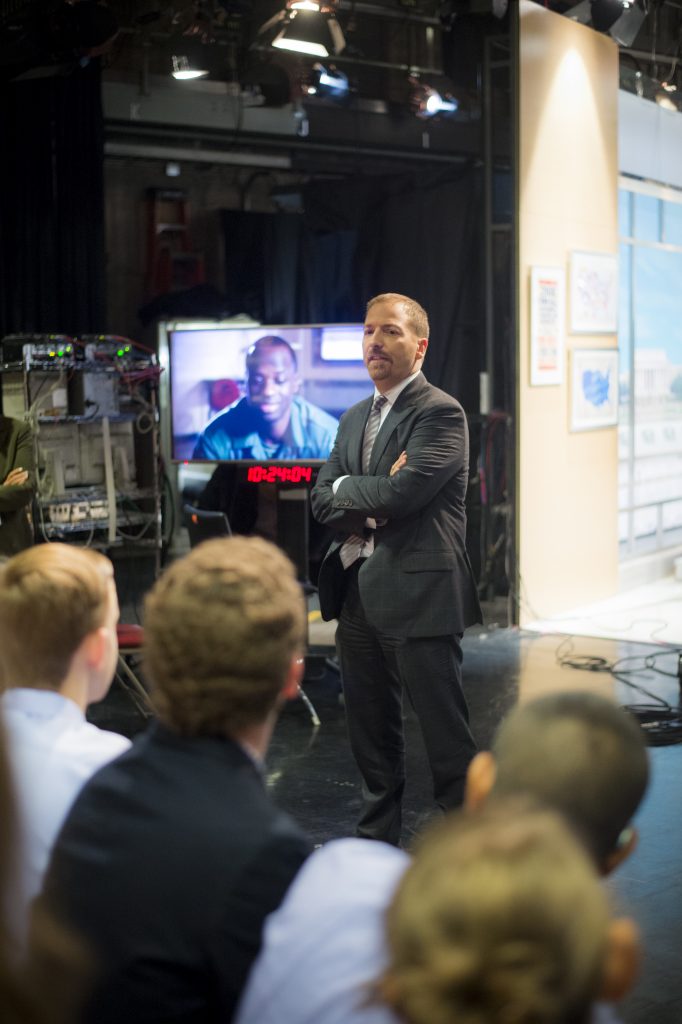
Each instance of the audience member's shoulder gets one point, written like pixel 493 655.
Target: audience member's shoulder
pixel 350 853
pixel 46 720
pixel 269 855
pixel 95 745
pixel 280 827
pixel 359 868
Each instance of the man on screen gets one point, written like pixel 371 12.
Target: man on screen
pixel 271 421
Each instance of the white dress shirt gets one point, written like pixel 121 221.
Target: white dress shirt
pixel 53 751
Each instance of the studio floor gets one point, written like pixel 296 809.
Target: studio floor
pixel 311 774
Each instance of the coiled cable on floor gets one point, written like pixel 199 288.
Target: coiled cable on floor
pixel 660 721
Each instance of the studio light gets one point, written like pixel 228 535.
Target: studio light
pixel 329 82
pixel 426 101
pixel 622 19
pixel 306 26
pixel 625 28
pixel 183 71
pixel 665 97
pixel 606 12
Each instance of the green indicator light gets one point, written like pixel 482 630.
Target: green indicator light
pixel 60 353
pixel 127 348
pixel 120 352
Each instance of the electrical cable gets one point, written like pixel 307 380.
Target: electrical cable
pixel 134 536
pixel 659 720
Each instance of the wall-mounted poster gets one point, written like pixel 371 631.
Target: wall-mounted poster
pixel 594 388
pixel 547 320
pixel 594 293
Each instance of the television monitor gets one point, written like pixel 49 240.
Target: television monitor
pixel 265 395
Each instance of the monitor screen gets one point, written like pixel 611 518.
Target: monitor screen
pixel 261 394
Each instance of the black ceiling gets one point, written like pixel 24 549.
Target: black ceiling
pixel 383 38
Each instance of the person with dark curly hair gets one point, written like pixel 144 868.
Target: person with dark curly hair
pixel 499 919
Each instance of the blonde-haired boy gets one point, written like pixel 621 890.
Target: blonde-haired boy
pixel 58 650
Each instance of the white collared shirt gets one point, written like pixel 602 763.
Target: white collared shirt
pixel 53 751
pixel 391 395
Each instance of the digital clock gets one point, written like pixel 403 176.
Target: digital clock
pixel 279 474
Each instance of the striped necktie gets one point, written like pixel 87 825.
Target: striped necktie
pixel 371 431
pixel 351 549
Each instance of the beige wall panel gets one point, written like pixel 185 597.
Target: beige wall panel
pixel 568 174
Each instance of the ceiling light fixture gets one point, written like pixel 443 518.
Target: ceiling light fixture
pixel 327 82
pixel 664 97
pixel 306 26
pixel 427 102
pixel 606 13
pixel 183 71
pixel 622 19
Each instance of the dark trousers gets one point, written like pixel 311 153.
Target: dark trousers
pixel 376 669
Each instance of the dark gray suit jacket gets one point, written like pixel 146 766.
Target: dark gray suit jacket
pixel 16 449
pixel 418 582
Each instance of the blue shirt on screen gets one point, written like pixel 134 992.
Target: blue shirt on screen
pixel 233 434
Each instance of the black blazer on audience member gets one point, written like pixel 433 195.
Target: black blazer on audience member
pixel 168 863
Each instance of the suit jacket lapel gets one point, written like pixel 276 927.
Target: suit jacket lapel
pixel 403 406
pixel 356 436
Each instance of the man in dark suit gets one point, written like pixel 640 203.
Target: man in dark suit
pixel 397 576
pixel 173 855
pixel 16 485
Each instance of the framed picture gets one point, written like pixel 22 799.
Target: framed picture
pixel 594 388
pixel 547 325
pixel 594 293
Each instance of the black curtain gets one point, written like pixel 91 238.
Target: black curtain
pixel 419 233
pixel 52 205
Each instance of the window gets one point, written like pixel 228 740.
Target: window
pixel 650 344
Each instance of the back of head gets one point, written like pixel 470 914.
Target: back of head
pixel 221 627
pixel 580 754
pixel 51 597
pixel 499 920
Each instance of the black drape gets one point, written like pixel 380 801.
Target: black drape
pixel 419 233
pixel 52 204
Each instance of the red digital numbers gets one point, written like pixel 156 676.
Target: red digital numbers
pixel 279 474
